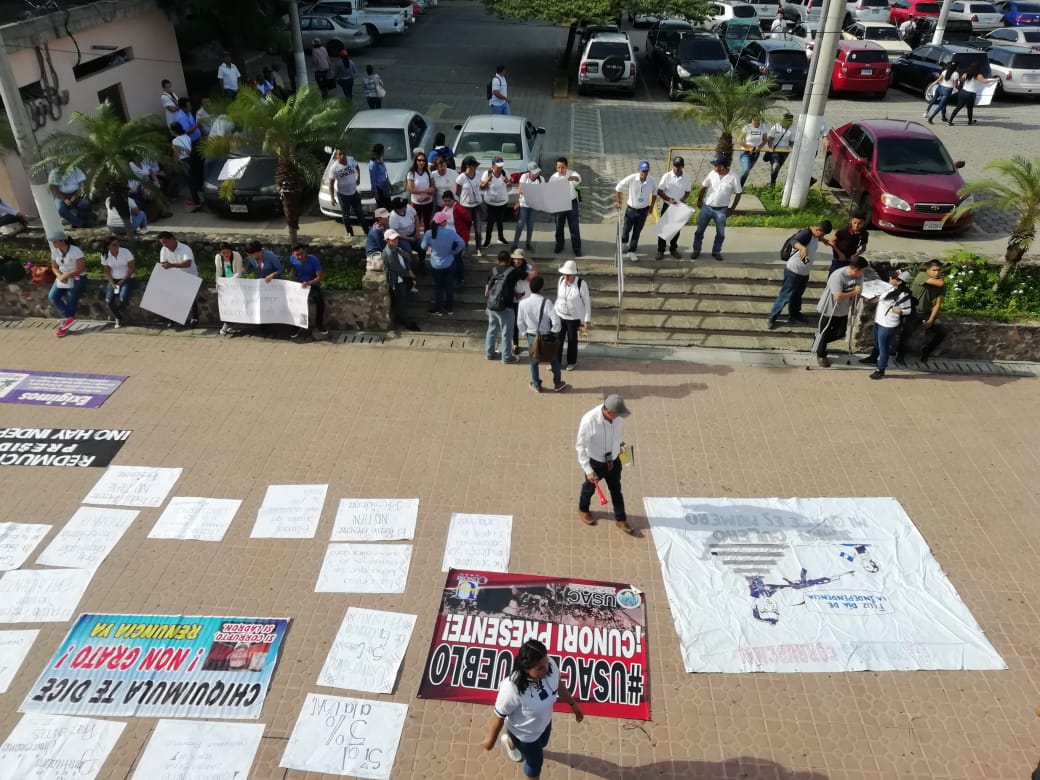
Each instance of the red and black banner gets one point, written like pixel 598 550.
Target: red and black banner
pixel 595 631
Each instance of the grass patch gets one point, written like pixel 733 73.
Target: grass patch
pixel 969 290
pixel 818 206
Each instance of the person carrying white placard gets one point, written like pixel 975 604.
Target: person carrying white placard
pixel 673 189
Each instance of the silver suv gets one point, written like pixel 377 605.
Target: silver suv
pixel 609 62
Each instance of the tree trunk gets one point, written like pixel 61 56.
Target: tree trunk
pixel 1012 256
pixel 725 146
pixel 291 209
pixel 572 33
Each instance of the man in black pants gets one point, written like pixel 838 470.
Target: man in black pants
pixel 928 288
pixel 835 303
pixel 599 445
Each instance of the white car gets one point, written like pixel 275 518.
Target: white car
pixel 766 10
pixel 399 131
pixel 723 12
pixel 1017 67
pixel 1024 36
pixel 805 35
pixel 335 28
pixel 983 16
pixel 868 10
pixel 883 34
pixel 513 138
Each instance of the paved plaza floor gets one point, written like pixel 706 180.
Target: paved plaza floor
pixel 466 435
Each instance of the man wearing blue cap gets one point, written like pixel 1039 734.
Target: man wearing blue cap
pixel 718 198
pixel 642 190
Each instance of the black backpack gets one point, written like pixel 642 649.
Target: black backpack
pixel 500 291
pixel 490 88
pixel 788 248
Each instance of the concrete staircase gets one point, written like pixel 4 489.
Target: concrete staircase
pixel 669 303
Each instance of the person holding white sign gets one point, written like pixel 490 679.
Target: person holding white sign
pixel 971 86
pixel 307 270
pixel 174 254
pixel 524 213
pixel 525 705
pixel 673 188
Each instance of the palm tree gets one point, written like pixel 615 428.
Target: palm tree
pixel 103 149
pixel 293 131
pixel 727 104
pixel 1018 191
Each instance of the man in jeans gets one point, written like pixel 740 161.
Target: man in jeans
pixel 718 197
pixel 796 273
pixel 536 315
pixel 343 187
pixel 570 217
pixel 499 292
pixel 642 191
pixel 842 287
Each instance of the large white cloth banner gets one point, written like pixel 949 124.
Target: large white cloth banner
pixel 809 585
pixel 170 293
pixel 258 302
pixel 551 197
pixel 673 220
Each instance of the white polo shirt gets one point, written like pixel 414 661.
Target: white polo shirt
pixel 120 264
pixel 229 76
pixel 721 189
pixel 674 186
pixel 404 224
pixel 498 84
pixel 639 192
pixel 528 715
pixel 179 254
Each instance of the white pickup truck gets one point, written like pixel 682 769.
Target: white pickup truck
pixel 376 21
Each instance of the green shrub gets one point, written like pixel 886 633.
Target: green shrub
pixel 820 205
pixel 969 289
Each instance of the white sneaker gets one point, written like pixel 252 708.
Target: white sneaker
pixel 224 330
pixel 115 323
pixel 632 257
pixel 514 755
pixel 925 114
pixel 569 367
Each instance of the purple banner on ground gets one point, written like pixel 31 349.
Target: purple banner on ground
pixel 52 388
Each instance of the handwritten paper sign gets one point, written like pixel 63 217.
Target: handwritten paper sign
pixel 368 650
pixel 342 736
pixel 41 596
pixel 255 301
pixel 133 486
pixel 364 568
pixel 375 519
pixel 170 293
pixel 17 541
pixel 88 537
pixel 56 747
pixel 478 542
pixel 290 512
pixel 203 519
pixel 14 646
pixel 199 749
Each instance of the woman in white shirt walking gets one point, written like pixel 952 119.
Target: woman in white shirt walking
pixel 575 309
pixel 971 85
pixel 70 278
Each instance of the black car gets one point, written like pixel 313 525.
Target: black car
pixel 256 194
pixel 695 54
pixel 783 61
pixel 736 36
pixel 662 38
pixel 957 30
pixel 916 70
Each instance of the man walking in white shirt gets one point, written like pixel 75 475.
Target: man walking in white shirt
pixel 570 218
pixel 599 444
pixel 536 315
pixel 642 191
pixel 499 100
pixel 228 76
pixel 674 188
pixel 718 198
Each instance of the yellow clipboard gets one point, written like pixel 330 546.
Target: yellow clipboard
pixel 627 455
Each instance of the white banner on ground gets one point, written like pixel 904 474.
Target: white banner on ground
pixel 14 646
pixel 551 197
pixel 375 519
pixel 88 537
pixel 199 749
pixel 133 486
pixel 17 541
pixel 203 519
pixel 478 542
pixel 673 220
pixel 368 650
pixel 809 585
pixel 258 302
pixel 364 568
pixel 41 595
pixel 170 293
pixel 54 747
pixel 341 736
pixel 290 512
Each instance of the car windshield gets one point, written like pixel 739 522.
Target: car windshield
pixel 743 32
pixel 1028 8
pixel 881 34
pixel 873 3
pixel 744 12
pixel 866 56
pixel 1031 36
pixel 927 8
pixel 600 50
pixel 786 59
pixel 913 155
pixel 701 49
pixel 1026 61
pixel 983 8
pixel 506 145
pixel 358 143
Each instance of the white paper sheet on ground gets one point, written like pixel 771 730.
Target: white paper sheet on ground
pixel 368 650
pixel 672 221
pixel 203 519
pixel 550 197
pixel 342 736
pixel 199 749
pixel 233 168
pixel 290 512
pixel 133 486
pixel 170 293
pixel 14 646
pixel 41 596
pixel 809 585
pixel 478 542
pixel 364 568
pixel 257 302
pixel 88 537
pixel 17 541
pixel 375 519
pixel 874 288
pixel 55 747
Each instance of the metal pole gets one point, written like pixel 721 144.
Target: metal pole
pixel 619 263
pixel 940 24
pixel 297 43
pixel 26 143
pixel 792 163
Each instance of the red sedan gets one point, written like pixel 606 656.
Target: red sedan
pixel 898 173
pixel 861 66
pixel 903 9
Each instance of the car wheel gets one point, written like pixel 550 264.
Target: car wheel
pixel 866 207
pixel 613 68
pixel 372 32
pixel 828 171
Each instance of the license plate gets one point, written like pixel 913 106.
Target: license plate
pixel 239 208
pixel 866 72
pixel 590 68
pixel 1031 77
pixel 933 224
pixel 787 87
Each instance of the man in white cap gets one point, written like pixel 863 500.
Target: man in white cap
pixel 718 198
pixel 599 444
pixel 525 214
pixel 397 265
pixel 574 306
pixel 376 239
pixel 642 191
pixel 674 188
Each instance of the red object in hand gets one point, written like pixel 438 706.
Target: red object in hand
pixel 602 498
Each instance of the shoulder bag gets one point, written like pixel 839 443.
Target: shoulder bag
pixel 545 345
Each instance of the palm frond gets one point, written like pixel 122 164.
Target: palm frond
pixel 1015 189
pixel 727 104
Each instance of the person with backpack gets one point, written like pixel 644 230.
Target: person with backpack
pixel 498 92
pixel 441 151
pixel 799 252
pixel 575 309
pixel 892 307
pixel 499 292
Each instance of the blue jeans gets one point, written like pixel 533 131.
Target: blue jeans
pixel 554 366
pixel 940 100
pixel 444 288
pixel 524 218
pixel 532 752
pixel 633 225
pixel 747 162
pixel 883 338
pixel 77 214
pixel 790 295
pixel 117 303
pixel 137 221
pixel 474 214
pixel 706 215
pixel 348 203
pixel 502 109
pixel 66 299
pixel 500 328
pixel 460 269
pixel 570 218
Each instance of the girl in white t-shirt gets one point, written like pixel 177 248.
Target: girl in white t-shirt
pixel 495 183
pixel 70 278
pixel 421 189
pixel 525 704
pixel 118 264
pixel 888 318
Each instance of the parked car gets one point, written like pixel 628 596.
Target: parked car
pixel 664 36
pixel 644 19
pixel 399 131
pixel 898 173
pixel 916 70
pixel 608 62
pixel 255 195
pixel 1019 14
pixel 883 34
pixel 329 7
pixel 766 10
pixel 589 31
pixel 783 61
pixel 956 31
pixel 336 33
pixel 1017 67
pixel 695 54
pixel 513 138
pixel 861 66
pixel 1024 36
pixel 718 12
pixel 903 9
pixel 736 34
pixel 868 11
pixel 805 35
pixel 983 16
pixel 800 11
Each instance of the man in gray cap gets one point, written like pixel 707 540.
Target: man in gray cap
pixel 599 446
pixel 718 198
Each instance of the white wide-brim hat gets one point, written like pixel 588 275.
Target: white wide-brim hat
pixel 570 268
